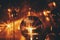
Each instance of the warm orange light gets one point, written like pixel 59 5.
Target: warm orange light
pixel 54 4
pixel 9 28
pixel 28 13
pixel 0 30
pixel 9 10
pixel 12 26
pixel 47 19
pixel 12 15
pixel 2 27
pixel 46 12
pixel 15 24
pixel 30 32
pixel 22 38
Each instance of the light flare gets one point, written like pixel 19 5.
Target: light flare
pixel 30 32
pixel 12 26
pixel 2 26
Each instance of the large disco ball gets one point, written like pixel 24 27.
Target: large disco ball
pixel 36 28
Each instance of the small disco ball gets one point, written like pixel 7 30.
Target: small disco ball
pixel 36 28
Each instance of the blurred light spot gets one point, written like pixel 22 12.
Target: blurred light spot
pixel 47 19
pixel 9 10
pixel 36 37
pixel 51 28
pixel 31 38
pixel 28 13
pixel 12 15
pixel 52 4
pixel 0 30
pixel 46 12
pixel 30 32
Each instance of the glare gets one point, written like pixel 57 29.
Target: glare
pixel 30 32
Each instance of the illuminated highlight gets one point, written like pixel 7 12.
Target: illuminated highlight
pixel 30 32
pixel 47 19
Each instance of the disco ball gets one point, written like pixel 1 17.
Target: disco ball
pixel 36 28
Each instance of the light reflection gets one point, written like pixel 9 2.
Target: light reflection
pixel 22 38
